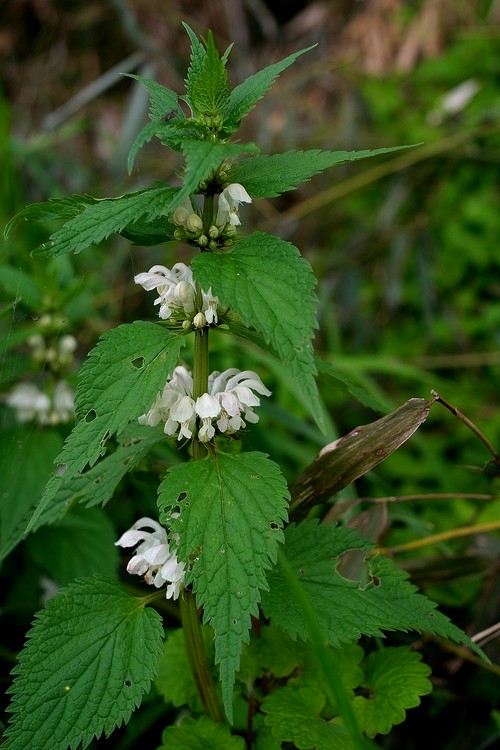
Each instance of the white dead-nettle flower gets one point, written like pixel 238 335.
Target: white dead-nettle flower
pixel 177 292
pixel 154 558
pixel 229 201
pixel 33 404
pixel 228 403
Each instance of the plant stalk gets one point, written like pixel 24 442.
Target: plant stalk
pixel 189 614
pixel 197 657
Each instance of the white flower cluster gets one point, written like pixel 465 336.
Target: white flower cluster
pixel 230 395
pixel 33 404
pixel 153 558
pixel 177 295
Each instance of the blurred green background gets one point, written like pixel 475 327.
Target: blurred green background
pixel 405 249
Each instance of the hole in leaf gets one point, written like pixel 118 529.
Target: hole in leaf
pixel 182 497
pixel 61 470
pixel 90 415
pixel 138 363
pixel 274 525
pixel 128 683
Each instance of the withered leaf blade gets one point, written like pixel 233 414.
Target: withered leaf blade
pixel 348 458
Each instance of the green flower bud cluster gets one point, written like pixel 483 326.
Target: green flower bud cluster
pixel 190 229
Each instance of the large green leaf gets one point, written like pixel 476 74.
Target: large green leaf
pixel 200 734
pixel 105 217
pixel 294 716
pixel 118 382
pixel 54 208
pixel 269 176
pixel 270 285
pixel 97 485
pixel 395 678
pixel 90 657
pixel 347 609
pixel 244 97
pixel 232 509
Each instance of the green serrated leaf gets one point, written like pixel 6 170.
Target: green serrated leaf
pixel 148 233
pixel 200 734
pixel 202 159
pixel 232 509
pixel 79 674
pixel 395 678
pixel 244 97
pixel 294 716
pixel 198 55
pixel 97 485
pixel 162 100
pixel 270 285
pixel 347 609
pixel 55 208
pixel 175 679
pixel 117 383
pixel 143 137
pixel 82 544
pixel 26 456
pixel 99 220
pixel 269 176
pixel 209 90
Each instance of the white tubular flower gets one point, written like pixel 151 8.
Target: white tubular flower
pixel 207 408
pixel 177 293
pixel 235 392
pixel 210 306
pixel 153 558
pixel 229 201
pixel 32 404
pixel 29 402
pixel 231 397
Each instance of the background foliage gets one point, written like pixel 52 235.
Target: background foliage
pixel 404 250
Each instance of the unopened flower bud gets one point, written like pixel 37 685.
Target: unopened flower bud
pixel 202 240
pixel 213 245
pixel 179 235
pixel 199 320
pixel 180 215
pixel 184 295
pixel 68 344
pixel 213 232
pixel 36 341
pixel 194 223
pixel 187 325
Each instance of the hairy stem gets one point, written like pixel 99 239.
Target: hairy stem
pixel 198 658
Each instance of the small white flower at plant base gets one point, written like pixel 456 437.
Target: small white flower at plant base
pixel 153 558
pixel 230 399
pixel 176 290
pixel 229 201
